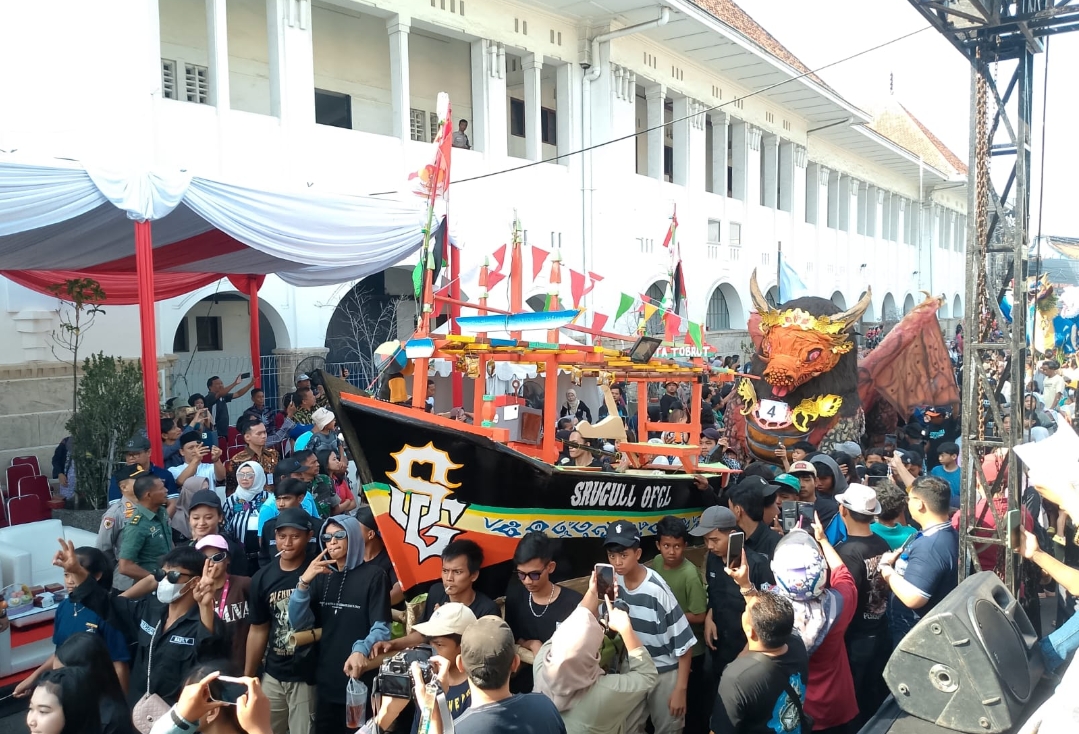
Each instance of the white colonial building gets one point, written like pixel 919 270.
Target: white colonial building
pixel 756 154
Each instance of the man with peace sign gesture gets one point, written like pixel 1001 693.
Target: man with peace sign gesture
pixel 172 625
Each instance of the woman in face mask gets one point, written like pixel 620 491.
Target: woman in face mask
pixel 169 617
pixel 231 594
pixel 350 601
pixel 242 509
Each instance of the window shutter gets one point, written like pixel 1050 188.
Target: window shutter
pixel 418 121
pixel 168 79
pixel 197 83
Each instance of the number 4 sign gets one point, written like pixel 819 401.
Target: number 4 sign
pixel 774 411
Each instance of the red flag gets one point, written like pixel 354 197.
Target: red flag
pixel 670 326
pixel 433 180
pixel 670 230
pixel 599 320
pixel 500 257
pixel 576 287
pixel 594 279
pixel 496 276
pixel 539 256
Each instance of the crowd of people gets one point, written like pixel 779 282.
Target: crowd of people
pixel 255 593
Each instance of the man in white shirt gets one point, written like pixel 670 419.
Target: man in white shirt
pixel 460 140
pixel 1053 385
pixel 192 450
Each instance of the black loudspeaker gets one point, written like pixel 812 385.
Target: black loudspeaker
pixel 971 664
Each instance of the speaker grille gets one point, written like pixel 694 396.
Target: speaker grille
pixel 1004 646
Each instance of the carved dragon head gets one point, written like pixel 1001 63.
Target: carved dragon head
pixel 797 345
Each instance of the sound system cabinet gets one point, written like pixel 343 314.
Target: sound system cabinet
pixel 971 664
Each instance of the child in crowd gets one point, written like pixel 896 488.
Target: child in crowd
pixel 661 625
pixel 685 582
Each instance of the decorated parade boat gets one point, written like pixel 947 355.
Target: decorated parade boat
pixel 431 479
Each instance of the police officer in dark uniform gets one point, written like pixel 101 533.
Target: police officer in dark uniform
pixel 173 628
pixel 148 535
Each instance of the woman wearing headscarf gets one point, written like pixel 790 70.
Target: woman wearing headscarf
pixel 575 408
pixel 180 523
pixel 350 601
pixel 242 509
pixel 568 672
pixel 823 609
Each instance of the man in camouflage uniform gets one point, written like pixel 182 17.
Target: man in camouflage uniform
pixel 116 518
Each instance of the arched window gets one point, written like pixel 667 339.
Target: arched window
pixel 655 294
pixel 772 297
pixel 718 317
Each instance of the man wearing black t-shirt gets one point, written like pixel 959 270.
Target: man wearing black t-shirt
pixel 461 562
pixel 289 671
pixel 535 607
pixel 489 657
pixel 766 685
pixel 869 640
pixel 939 427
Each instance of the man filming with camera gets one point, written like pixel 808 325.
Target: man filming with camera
pixel 443 633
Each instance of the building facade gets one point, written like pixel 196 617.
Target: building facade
pixel 677 105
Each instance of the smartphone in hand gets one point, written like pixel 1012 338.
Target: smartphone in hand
pixel 605 581
pixel 734 550
pixel 806 516
pixel 228 690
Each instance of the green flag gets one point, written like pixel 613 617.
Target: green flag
pixel 695 334
pixel 625 303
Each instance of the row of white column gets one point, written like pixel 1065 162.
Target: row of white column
pixel 292 79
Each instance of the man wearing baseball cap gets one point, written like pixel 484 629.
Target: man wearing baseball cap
pixel 869 641
pixel 670 643
pixel 723 623
pixel 488 657
pixel 137 452
pixel 443 632
pixel 753 502
pixel 116 517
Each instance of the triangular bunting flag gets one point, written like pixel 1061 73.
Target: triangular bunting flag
pixel 693 335
pixel 599 320
pixel 594 279
pixel 625 303
pixel 649 311
pixel 576 287
pixel 539 256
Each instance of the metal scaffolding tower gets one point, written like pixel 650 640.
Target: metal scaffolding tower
pixel 999 38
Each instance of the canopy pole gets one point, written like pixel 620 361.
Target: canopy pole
pixel 256 351
pixel 457 384
pixel 144 271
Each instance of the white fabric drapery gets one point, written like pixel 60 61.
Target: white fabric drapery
pixel 69 218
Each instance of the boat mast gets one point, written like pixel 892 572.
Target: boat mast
pixel 516 290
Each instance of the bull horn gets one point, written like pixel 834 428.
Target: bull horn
pixel 759 301
pixel 851 315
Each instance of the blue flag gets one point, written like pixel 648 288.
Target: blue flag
pixel 790 283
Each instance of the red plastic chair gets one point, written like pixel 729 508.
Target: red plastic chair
pixel 35 486
pixel 222 443
pixel 14 474
pixel 31 460
pixel 234 434
pixel 233 450
pixel 30 508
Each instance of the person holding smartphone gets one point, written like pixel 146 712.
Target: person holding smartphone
pixel 212 703
pixel 670 642
pixel 722 622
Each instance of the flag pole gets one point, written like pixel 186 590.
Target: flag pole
pixel 779 272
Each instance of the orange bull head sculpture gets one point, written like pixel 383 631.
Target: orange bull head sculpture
pixel 797 346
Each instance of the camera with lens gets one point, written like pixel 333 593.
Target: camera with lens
pixel 395 674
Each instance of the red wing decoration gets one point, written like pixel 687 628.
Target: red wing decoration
pixel 911 366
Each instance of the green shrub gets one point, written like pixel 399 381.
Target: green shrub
pixel 110 411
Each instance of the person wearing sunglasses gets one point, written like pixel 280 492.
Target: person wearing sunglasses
pixel 231 594
pixel 535 606
pixel 350 601
pixel 172 628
